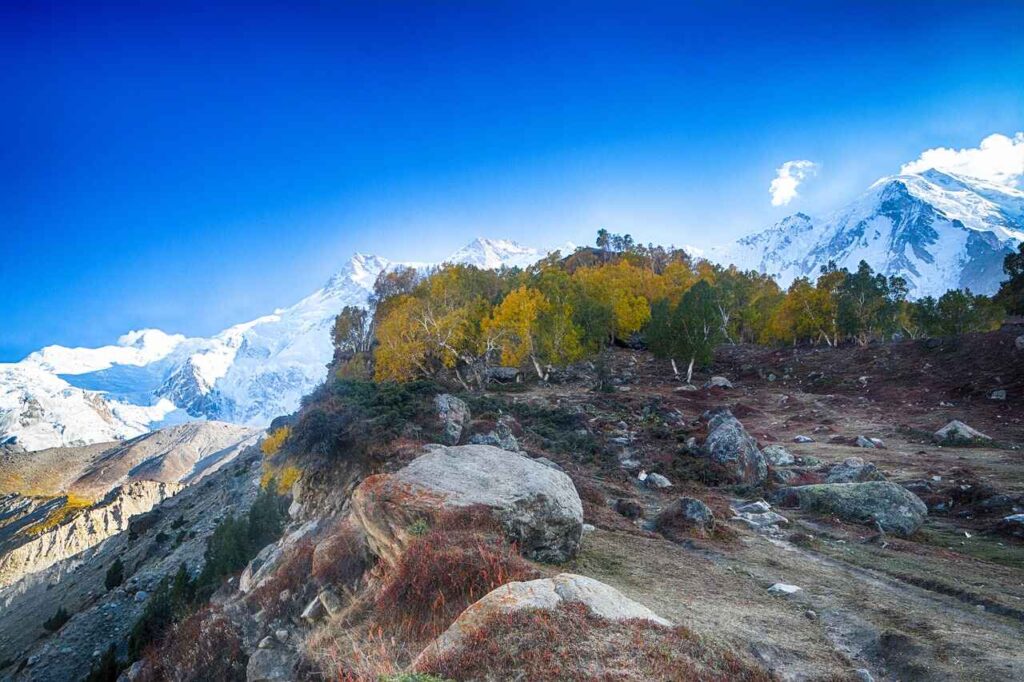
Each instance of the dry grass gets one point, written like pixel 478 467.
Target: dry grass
pixel 72 504
pixel 291 575
pixel 570 643
pixel 204 646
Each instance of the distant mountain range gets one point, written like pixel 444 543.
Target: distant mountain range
pixel 246 374
pixel 938 230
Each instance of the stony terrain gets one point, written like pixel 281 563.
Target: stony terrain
pixel 791 515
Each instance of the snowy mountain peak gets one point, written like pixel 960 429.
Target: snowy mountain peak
pixel 938 230
pixel 248 374
pixel 492 254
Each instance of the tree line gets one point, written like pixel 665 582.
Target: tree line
pixel 466 320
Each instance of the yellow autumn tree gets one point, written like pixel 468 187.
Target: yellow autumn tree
pixel 513 325
pixel 625 289
pixel 401 351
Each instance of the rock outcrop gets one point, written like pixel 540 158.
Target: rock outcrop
pixel 958 433
pixel 545 593
pixel 537 506
pixel 86 529
pixel 734 450
pixel 453 415
pixel 892 507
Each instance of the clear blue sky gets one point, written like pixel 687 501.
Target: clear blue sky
pixel 193 166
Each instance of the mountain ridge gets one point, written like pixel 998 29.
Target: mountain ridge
pixel 248 373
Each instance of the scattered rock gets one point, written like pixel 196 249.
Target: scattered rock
pixel 654 480
pixel 784 589
pixel 759 516
pixel 545 593
pixel 1012 525
pixel 501 436
pixel 718 382
pixel 803 439
pixel 870 443
pixel 453 414
pixel 686 514
pixel 271 665
pixel 854 470
pixel 778 456
pixel 538 506
pixel 629 508
pixel 730 446
pixel 956 432
pixel 894 508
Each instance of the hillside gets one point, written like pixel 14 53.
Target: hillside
pixel 648 502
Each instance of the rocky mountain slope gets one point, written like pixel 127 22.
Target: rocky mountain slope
pixel 246 374
pixel 938 230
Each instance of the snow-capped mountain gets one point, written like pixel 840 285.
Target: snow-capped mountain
pixel 246 374
pixel 938 230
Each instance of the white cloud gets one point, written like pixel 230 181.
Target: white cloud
pixel 788 177
pixel 998 159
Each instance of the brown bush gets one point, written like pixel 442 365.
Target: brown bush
pixel 204 646
pixel 341 558
pixel 292 574
pixel 462 557
pixel 570 643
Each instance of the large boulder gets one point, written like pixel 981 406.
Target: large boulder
pixel 778 456
pixel 546 593
pixel 894 508
pixel 958 433
pixel 734 450
pixel 453 415
pixel 537 506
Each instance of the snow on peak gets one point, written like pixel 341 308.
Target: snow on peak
pixel 248 374
pixel 492 254
pixel 936 229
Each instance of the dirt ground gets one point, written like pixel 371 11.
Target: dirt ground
pixel 945 604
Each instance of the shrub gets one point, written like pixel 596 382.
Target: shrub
pixel 570 643
pixel 463 557
pixel 107 669
pixel 204 646
pixel 273 442
pixel 341 557
pixel 115 574
pixel 57 620
pixel 292 575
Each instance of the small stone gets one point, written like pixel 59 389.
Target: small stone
pixel 863 442
pixel 266 643
pixel 141 596
pixel 803 439
pixel 998 394
pixel 718 382
pixel 783 588
pixel 654 480
pixel 629 508
pixel 863 675
pixel 589 528
pixel 282 635
pixel 810 615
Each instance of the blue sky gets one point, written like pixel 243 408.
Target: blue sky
pixel 191 167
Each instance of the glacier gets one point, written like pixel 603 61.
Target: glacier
pixel 247 374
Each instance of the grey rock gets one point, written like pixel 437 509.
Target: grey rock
pixel 1019 342
pixel 778 456
pixel 686 513
pixel 501 436
pixel 271 665
pixel 545 593
pixel 1012 525
pixel 998 394
pixel 783 589
pixel 538 506
pixel 331 601
pixel 733 449
pixel 629 508
pixel 453 414
pixel 863 442
pixel 718 382
pixel 956 432
pixel 803 439
pixel 854 470
pixel 313 611
pixel 894 508
pixel 654 480
pixel 863 675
